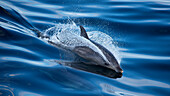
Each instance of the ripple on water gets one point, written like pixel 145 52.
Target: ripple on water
pixel 139 30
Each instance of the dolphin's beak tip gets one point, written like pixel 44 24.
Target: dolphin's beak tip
pixel 121 71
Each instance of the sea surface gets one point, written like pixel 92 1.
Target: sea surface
pixel 136 31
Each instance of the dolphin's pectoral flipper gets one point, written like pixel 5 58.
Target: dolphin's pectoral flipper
pixel 83 32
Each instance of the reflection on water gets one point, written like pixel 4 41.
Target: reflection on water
pixel 139 31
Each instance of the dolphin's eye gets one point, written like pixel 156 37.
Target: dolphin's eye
pixel 106 64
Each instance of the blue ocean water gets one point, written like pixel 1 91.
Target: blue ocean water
pixel 140 31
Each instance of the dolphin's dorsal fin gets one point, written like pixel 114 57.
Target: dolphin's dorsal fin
pixel 83 32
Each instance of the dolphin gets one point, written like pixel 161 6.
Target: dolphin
pixel 81 45
pixel 105 58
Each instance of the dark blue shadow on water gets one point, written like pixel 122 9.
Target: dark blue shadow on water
pixel 140 30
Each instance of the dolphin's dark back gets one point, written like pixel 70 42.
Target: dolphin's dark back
pixel 109 55
pixel 106 52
